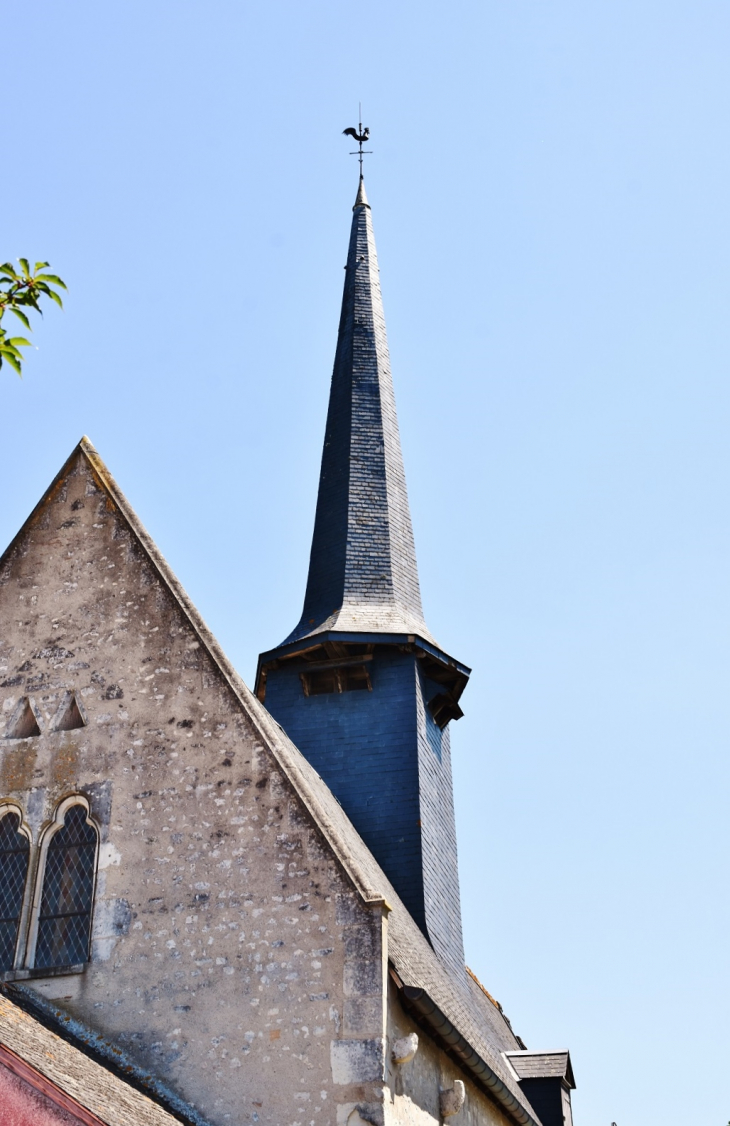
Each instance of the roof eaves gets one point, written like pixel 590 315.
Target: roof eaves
pixel 425 1007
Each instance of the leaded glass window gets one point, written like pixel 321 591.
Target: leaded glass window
pixel 64 923
pixel 14 854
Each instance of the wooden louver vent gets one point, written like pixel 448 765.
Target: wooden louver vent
pixel 348 678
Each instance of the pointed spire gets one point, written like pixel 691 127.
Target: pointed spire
pixel 360 686
pixel 362 572
pixel 362 199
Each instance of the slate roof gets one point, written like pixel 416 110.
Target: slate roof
pixel 459 997
pixel 542 1065
pixel 363 575
pixel 52 1065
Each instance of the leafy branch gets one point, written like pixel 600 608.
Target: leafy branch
pixel 20 291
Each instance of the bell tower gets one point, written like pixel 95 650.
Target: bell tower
pixel 360 685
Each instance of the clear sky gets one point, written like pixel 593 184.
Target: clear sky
pixel 549 187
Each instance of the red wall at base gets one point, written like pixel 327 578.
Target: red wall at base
pixel 21 1105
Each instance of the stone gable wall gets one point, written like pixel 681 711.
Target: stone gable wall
pixel 230 955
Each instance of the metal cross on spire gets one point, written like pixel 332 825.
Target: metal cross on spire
pixel 361 136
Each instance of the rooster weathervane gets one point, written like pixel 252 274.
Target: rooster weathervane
pixel 361 136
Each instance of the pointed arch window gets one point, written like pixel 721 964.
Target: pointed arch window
pixel 14 856
pixel 64 919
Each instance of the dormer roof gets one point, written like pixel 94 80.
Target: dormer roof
pixel 543 1065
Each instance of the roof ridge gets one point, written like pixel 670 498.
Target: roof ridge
pixel 484 990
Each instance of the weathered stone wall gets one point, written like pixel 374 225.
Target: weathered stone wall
pixel 230 955
pixel 412 1089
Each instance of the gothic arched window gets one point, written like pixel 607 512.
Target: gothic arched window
pixel 64 921
pixel 14 854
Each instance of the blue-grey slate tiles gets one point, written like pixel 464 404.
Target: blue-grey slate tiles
pixel 362 571
pixel 389 766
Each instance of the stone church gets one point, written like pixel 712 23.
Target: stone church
pixel 223 906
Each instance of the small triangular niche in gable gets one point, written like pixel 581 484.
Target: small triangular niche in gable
pixel 69 716
pixel 23 724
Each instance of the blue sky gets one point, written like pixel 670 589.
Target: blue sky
pixel 549 187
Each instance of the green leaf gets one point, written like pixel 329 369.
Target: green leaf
pixel 51 278
pixel 23 290
pixel 14 363
pixel 27 297
pixel 22 317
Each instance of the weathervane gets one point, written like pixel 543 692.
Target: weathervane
pixel 361 136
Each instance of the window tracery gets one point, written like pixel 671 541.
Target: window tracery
pixel 64 918
pixel 14 858
pixel 45 918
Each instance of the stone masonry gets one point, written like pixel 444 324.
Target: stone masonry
pixel 230 953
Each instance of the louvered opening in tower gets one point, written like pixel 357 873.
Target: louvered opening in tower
pixel 69 717
pixel 23 724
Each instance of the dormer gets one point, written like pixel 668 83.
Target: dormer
pixel 547 1080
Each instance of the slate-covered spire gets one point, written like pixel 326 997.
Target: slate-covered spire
pixel 360 685
pixel 362 572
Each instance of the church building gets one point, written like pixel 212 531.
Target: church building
pixel 220 906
